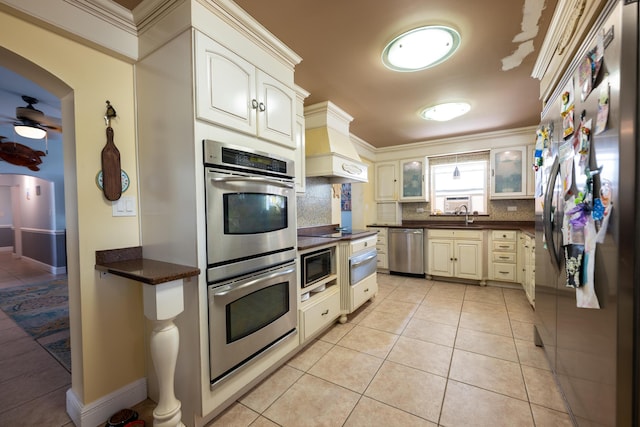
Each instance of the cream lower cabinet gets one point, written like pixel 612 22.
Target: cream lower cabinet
pixel 503 264
pixel 320 303
pixel 382 247
pixel 455 253
pixel 319 312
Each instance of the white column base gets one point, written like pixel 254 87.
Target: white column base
pixel 162 303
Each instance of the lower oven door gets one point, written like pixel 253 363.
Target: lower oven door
pixel 362 265
pixel 250 315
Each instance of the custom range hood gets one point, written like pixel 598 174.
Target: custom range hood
pixel 329 151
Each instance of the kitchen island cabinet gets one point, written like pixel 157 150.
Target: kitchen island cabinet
pixel 354 295
pixel 455 253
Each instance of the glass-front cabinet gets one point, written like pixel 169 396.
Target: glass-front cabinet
pixel 509 173
pixel 414 180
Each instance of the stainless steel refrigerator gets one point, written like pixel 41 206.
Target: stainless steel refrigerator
pixel 593 352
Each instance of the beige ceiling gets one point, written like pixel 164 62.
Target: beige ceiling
pixel 340 42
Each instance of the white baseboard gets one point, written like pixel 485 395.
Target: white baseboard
pixel 50 268
pixel 98 412
pixel 6 249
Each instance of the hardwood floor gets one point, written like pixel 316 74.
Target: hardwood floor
pixel 32 382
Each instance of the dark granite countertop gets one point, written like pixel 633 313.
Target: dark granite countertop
pixel 129 263
pixel 525 226
pixel 310 237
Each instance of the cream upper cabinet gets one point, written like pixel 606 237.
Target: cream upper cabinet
pixel 232 92
pixel 509 173
pixel 414 182
pixel 386 181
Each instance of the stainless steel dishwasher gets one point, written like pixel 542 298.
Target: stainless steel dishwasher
pixel 406 250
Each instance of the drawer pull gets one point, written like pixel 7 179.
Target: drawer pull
pixel 503 246
pixel 503 272
pixel 366 290
pixel 504 257
pixel 324 313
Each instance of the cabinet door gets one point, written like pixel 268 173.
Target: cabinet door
pixel 225 87
pixel 468 259
pixel 508 173
pixel 413 180
pixel 440 258
pixel 276 110
pixel 387 181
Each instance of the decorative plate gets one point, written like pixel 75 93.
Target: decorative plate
pixel 123 176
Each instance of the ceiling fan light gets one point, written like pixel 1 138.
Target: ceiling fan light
pixel 420 48
pixel 29 131
pixel 444 112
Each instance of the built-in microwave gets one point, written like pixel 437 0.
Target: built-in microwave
pixel 317 265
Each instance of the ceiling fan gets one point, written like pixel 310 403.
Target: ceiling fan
pixel 32 123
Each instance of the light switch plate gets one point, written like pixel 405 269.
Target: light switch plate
pixel 124 206
pixel 512 208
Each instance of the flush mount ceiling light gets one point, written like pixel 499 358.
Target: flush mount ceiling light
pixel 420 48
pixel 444 112
pixel 27 130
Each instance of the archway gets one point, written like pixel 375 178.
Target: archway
pixel 61 90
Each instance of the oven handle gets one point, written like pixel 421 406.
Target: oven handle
pixel 253 179
pixel 362 261
pixel 233 288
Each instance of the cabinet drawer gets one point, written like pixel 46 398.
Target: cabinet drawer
pixel 382 231
pixel 382 240
pixel 504 271
pixel 504 235
pixel 455 233
pixel 504 246
pixel 504 257
pixel 360 244
pixel 321 313
pixel 363 291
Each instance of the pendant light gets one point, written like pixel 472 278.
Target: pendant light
pixel 456 171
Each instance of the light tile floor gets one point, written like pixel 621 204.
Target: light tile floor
pixel 423 353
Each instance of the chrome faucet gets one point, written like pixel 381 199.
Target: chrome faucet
pixel 467 221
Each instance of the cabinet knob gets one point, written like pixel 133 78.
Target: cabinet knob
pixel 254 104
pixel 261 106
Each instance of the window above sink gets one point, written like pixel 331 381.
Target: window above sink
pixel 458 180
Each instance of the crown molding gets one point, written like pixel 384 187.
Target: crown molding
pixel 241 21
pixel 100 24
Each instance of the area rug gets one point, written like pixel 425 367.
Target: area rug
pixel 42 310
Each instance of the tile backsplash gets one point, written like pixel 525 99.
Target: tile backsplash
pixel 499 210
pixel 314 206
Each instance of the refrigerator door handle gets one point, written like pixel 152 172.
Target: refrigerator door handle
pixel 547 215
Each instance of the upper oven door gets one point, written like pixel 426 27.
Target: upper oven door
pixel 247 216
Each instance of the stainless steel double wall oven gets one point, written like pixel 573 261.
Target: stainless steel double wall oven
pixel 251 241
